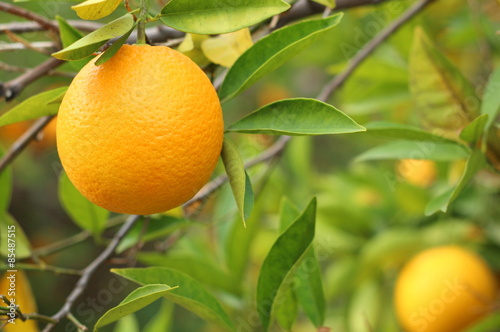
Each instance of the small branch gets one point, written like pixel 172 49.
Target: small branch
pixel 370 47
pixel 48 268
pixel 45 23
pixel 15 38
pixel 40 46
pixel 23 141
pixel 12 88
pixel 15 69
pixel 75 321
pixel 63 244
pixel 87 273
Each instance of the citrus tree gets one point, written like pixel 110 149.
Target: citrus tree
pixel 249 165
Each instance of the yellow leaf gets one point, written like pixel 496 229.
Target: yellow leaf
pixel 95 9
pixel 225 49
pixel 191 47
pixel 23 297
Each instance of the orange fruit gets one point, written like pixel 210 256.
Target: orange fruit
pixel 444 289
pixel 421 173
pixel 141 133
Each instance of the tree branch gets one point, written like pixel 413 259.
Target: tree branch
pixel 12 88
pixel 87 273
pixel 358 59
pixel 23 141
pixel 43 22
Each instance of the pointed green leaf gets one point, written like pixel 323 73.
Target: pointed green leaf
pixel 113 48
pixel 443 98
pixel 95 9
pixel 270 52
pixel 475 163
pixel 238 179
pixel 69 35
pixel 288 214
pixel 127 324
pixel 23 246
pixel 491 98
pixel 214 16
pixel 309 290
pixel 298 116
pixel 308 287
pixel 199 268
pixel 91 42
pixel 287 311
pixel 191 294
pixel 157 227
pixel 403 131
pixel 162 320
pixel 84 213
pixel 34 107
pixel 284 256
pixel 135 301
pixel 475 130
pixel 415 150
pixel 365 307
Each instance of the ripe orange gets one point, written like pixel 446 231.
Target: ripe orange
pixel 444 289
pixel 421 173
pixel 140 134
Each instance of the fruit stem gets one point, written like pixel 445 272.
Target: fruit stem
pixel 141 23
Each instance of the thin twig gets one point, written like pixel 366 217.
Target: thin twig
pixel 45 23
pixel 16 69
pixel 48 268
pixel 87 273
pixel 370 47
pixel 12 88
pixel 23 141
pixel 39 45
pixel 15 38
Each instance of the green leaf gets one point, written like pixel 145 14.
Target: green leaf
pixel 213 17
pixel 23 247
pixel 84 213
pixel 69 35
pixel 95 9
pixel 441 202
pixel 157 227
pixel 34 107
pixel 309 290
pixel 198 268
pixel 475 130
pixel 491 98
pixel 287 311
pixel 162 320
pixel 288 214
pixel 127 324
pixel 191 294
pixel 327 3
pixel 5 187
pixel 114 48
pixel 270 52
pixel 135 301
pixel 365 307
pixel 403 131
pixel 442 96
pixel 238 179
pixel 415 150
pixel 284 256
pixel 298 116
pixel 91 42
